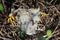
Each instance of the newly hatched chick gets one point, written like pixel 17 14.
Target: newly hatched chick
pixel 25 19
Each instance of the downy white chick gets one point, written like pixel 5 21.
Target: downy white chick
pixel 25 20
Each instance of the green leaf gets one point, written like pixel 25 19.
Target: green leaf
pixel 59 30
pixel 40 37
pixel 22 34
pixel 1 7
pixel 49 32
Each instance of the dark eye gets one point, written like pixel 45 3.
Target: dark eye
pixel 41 27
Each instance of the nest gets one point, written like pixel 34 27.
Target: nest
pixel 51 22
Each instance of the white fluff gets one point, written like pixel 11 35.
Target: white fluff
pixel 31 29
pixel 24 18
pixel 34 11
pixel 36 19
